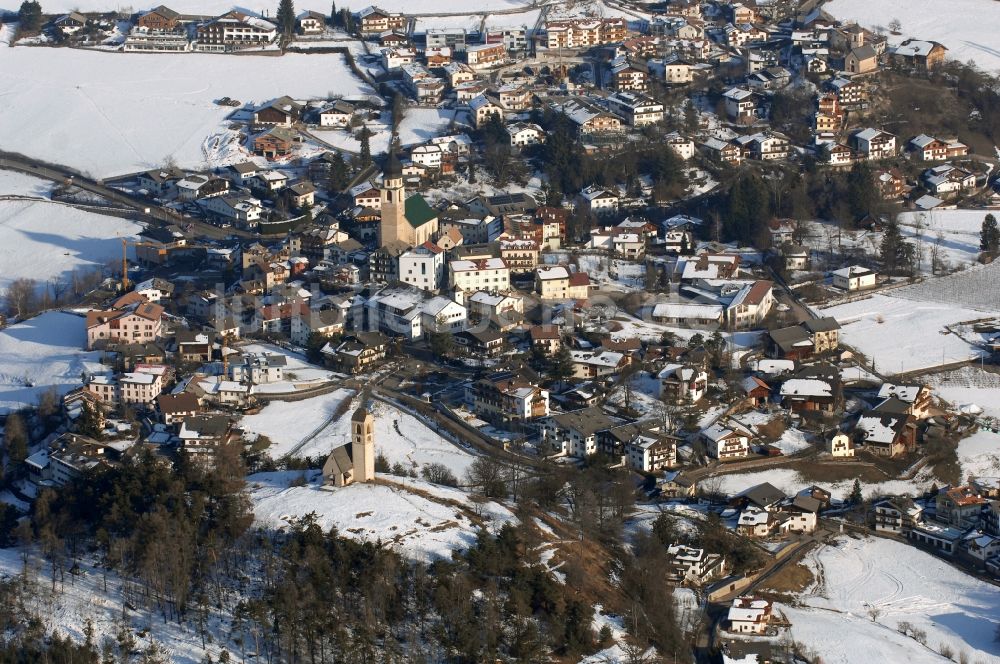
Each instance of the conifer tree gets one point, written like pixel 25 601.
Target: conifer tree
pixel 989 236
pixel 286 17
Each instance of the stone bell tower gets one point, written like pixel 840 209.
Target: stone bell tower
pixel 363 444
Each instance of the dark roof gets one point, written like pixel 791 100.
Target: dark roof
pixel 339 461
pixel 806 503
pixel 825 324
pixel 207 425
pixel 762 495
pixel 185 402
pixel 786 338
pixel 893 405
pixel 417 211
pixel 484 337
pixel 865 52
pixel 585 421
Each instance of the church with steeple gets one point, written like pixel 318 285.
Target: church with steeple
pixel 354 462
pixel 405 220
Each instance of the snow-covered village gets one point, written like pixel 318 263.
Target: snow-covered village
pixel 502 331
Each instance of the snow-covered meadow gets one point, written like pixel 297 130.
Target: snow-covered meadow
pixel 857 579
pixel 42 353
pixel 905 335
pixel 112 113
pixel 43 240
pixel 19 184
pixel 289 424
pixel 966 27
pixel 427 528
pixel 979 454
pixel 401 437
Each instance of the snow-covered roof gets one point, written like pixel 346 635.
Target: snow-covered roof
pixel 609 359
pixel 547 272
pixel 809 387
pixel 907 393
pixel 682 310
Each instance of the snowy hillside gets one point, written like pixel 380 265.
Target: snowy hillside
pixel 966 27
pixel 42 240
pixel 428 526
pixel 905 585
pixel 40 353
pixel 216 7
pixel 399 436
pixel 113 113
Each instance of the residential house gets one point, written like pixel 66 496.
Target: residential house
pixel 916 399
pixel 546 338
pixel 485 56
pixel 682 383
pixel 724 443
pixel 636 109
pixel 853 278
pixel 138 323
pixel 575 433
pixel 594 364
pixel 651 452
pixel 357 353
pixel 175 407
pixel 482 109
pixel 886 434
pixel 749 615
pixel 522 134
pixel 875 144
pixel 741 105
pixel 506 399
pixel 202 435
pixel 959 507
pixel 275 142
pixel 897 515
pixel 423 267
pixel 919 54
pixel 555 282
pixel 372 21
pixel 598 200
pixel 492 274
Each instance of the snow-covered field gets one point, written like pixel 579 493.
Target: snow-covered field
pixel 966 27
pixel 42 353
pixel 112 113
pixel 904 585
pixel 43 240
pixel 416 526
pixel 290 423
pixel 19 184
pixel 974 288
pixel 979 454
pixel 401 437
pixel 905 335
pixel 969 389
